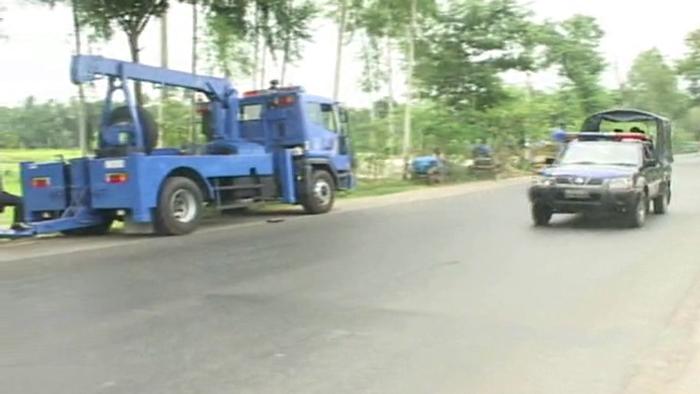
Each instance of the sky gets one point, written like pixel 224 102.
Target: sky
pixel 35 59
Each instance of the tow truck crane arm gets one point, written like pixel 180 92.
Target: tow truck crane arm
pixel 87 68
pixel 223 98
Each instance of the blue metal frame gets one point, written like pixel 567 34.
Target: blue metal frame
pixel 220 92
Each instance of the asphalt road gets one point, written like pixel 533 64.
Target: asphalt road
pixel 452 295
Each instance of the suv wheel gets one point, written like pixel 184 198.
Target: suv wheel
pixel 638 215
pixel 661 202
pixel 541 214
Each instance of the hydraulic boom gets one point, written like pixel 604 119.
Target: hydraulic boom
pixel 87 68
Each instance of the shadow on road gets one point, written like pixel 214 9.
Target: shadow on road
pixel 589 222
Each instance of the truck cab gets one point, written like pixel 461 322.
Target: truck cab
pixel 290 117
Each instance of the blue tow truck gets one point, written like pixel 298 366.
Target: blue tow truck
pixel 280 144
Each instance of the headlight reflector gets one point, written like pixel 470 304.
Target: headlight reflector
pixel 620 183
pixel 543 181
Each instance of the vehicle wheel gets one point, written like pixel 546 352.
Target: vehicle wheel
pixel 661 202
pixel 637 216
pixel 180 207
pixel 541 214
pixel 101 229
pixel 321 196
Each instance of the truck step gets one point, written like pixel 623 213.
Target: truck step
pixel 238 187
pixel 236 205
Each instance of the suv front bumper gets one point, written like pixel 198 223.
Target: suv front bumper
pixel 573 199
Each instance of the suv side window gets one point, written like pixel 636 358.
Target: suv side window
pixel 323 115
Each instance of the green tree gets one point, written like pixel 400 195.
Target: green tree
pixel 3 35
pixel 464 48
pixel 131 17
pixel 573 48
pixel 689 66
pixel 652 85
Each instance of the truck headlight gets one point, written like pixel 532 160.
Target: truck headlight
pixel 297 151
pixel 543 181
pixel 620 183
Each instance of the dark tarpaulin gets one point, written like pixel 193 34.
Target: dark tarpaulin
pixel 663 145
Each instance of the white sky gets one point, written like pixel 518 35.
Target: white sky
pixel 35 59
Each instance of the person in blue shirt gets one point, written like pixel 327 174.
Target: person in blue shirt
pixel 560 136
pixel 482 149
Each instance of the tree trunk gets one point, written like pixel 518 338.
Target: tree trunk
pixel 263 66
pixel 135 51
pixel 80 108
pixel 391 143
pixel 339 48
pixel 283 70
pixel 371 91
pixel 409 90
pixel 256 49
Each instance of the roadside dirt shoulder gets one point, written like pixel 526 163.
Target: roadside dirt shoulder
pixel 672 366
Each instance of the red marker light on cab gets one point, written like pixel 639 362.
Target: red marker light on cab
pixel 286 100
pixel 252 93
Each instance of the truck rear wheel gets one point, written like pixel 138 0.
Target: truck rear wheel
pixel 180 207
pixel 321 193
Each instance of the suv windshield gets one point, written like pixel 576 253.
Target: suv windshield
pixel 602 153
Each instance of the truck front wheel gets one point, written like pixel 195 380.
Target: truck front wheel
pixel 321 193
pixel 180 207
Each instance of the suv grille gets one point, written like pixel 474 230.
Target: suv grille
pixel 571 180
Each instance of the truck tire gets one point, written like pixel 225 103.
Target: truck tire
pixel 661 202
pixel 149 126
pixel 321 193
pixel 541 214
pixel 180 207
pixel 637 216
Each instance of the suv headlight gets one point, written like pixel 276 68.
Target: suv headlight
pixel 620 183
pixel 543 181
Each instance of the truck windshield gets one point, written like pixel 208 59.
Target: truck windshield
pixel 602 153
pixel 249 112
